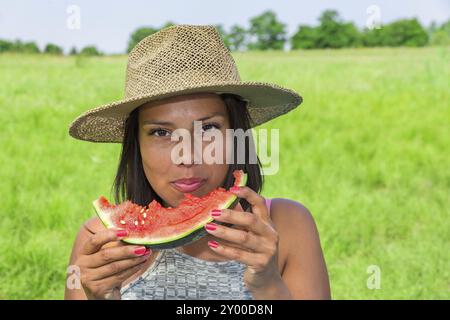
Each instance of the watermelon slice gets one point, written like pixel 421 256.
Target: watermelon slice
pixel 161 228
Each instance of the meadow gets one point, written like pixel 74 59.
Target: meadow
pixel 367 153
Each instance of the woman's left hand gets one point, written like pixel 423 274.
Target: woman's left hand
pixel 253 242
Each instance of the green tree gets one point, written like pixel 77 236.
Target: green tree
pixel 18 46
pixel 373 37
pixel 305 38
pixel 440 36
pixel 73 51
pixel 143 32
pixel 139 35
pixel 25 47
pixel 30 47
pixel 53 49
pixel 90 51
pixel 237 38
pixel 267 31
pixel 405 32
pixel 334 33
pixel 5 45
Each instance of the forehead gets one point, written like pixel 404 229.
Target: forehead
pixel 183 107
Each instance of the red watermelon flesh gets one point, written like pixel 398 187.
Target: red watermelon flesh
pixel 158 227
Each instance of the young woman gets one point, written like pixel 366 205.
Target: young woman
pixel 272 249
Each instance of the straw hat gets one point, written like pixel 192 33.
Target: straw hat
pixel 176 60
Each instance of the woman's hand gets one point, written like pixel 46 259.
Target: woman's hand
pixel 254 242
pixel 103 270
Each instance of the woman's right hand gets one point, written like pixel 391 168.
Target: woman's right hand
pixel 103 270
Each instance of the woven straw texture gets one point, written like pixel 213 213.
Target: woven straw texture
pixel 181 59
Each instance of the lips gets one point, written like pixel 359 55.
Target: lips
pixel 188 185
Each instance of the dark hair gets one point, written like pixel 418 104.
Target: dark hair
pixel 131 183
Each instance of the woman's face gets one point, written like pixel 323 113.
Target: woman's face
pixel 157 121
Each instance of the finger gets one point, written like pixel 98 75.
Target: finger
pixel 109 255
pixel 117 279
pixel 95 242
pixel 113 244
pixel 243 238
pixel 256 201
pixel 117 267
pixel 234 253
pixel 243 220
pixel 238 207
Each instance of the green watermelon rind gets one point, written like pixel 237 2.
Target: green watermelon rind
pixel 179 239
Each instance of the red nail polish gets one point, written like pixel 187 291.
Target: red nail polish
pixel 213 244
pixel 210 226
pixel 216 212
pixel 140 251
pixel 122 233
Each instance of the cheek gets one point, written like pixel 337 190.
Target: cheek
pixel 217 171
pixel 155 157
pixel 217 174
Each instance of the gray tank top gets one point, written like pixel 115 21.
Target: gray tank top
pixel 175 275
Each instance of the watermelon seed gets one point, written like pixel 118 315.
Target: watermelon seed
pixel 122 222
pixel 142 222
pixel 145 215
pixel 135 223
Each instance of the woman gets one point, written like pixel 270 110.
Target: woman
pixel 272 250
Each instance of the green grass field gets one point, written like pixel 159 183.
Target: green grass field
pixel 367 153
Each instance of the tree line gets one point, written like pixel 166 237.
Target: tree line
pixel 266 32
pixel 19 46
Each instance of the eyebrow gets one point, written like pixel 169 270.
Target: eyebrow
pixel 168 123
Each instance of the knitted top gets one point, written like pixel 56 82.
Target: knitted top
pixel 175 275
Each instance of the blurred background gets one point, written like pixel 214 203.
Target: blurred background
pixel 367 152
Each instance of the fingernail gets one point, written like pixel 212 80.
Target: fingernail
pixel 140 251
pixel 234 189
pixel 122 233
pixel 210 226
pixel 213 244
pixel 216 212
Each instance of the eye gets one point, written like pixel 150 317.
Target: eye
pixel 158 132
pixel 208 126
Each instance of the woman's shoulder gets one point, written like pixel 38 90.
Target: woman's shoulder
pixel 302 264
pixel 296 228
pixel 287 209
pixel 292 218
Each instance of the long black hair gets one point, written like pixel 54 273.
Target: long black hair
pixel 131 183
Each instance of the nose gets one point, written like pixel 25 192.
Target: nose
pixel 189 151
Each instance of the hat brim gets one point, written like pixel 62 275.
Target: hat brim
pixel 106 122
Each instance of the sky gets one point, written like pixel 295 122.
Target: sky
pixel 108 24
